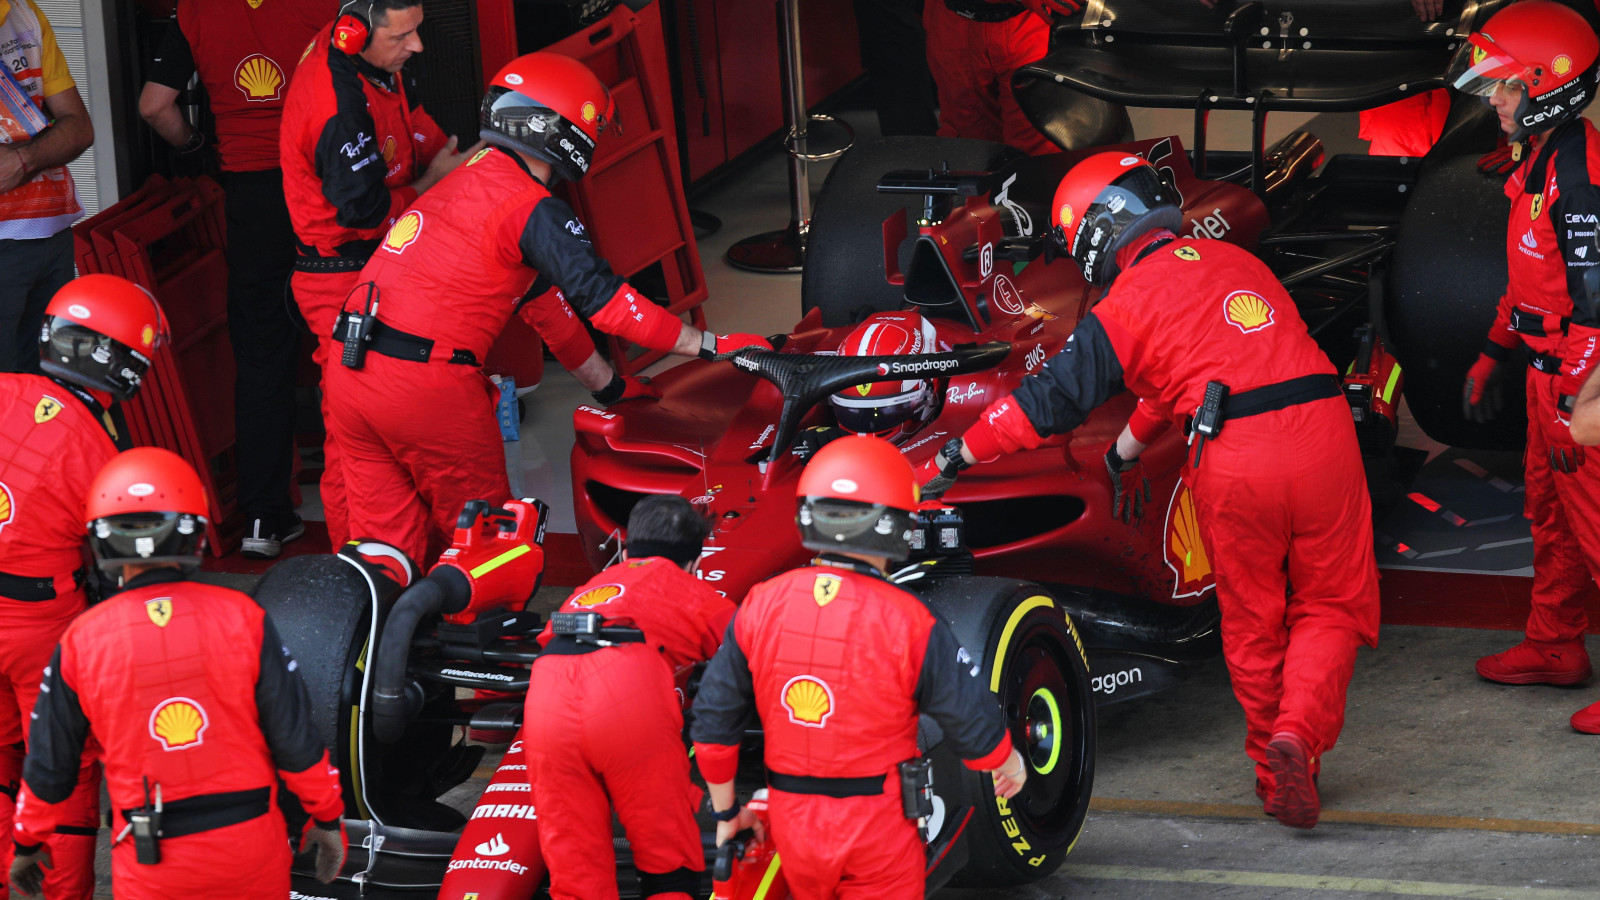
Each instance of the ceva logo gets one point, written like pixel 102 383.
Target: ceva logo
pixel 495 846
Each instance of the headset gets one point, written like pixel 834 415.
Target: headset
pixel 352 32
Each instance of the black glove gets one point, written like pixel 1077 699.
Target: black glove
pixel 1130 490
pixel 1501 161
pixel 28 868
pixel 1565 458
pixel 942 469
pixel 815 438
pixel 327 842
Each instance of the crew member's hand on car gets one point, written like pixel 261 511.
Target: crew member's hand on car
pixel 722 346
pixel 327 842
pixel 625 387
pixel 1009 778
pixel 1130 489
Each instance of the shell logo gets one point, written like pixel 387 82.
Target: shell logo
pixel 1561 65
pixel 147 336
pixel 1066 216
pixel 259 78
pixel 1184 549
pixel 178 723
pixel 388 149
pixel 307 51
pixel 598 596
pixel 588 111
pixel 403 233
pixel 7 508
pixel 809 701
pixel 1536 207
pixel 1247 310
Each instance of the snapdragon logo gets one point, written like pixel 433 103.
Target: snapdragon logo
pixel 1108 684
pixel 918 367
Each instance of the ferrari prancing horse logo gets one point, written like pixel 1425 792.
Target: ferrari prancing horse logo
pixel 159 610
pixel 1537 206
pixel 48 408
pixel 825 589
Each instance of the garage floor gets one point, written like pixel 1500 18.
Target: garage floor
pixel 1443 785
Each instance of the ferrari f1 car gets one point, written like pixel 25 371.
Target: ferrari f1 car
pixel 1062 604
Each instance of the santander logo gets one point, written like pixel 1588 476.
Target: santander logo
pixel 495 846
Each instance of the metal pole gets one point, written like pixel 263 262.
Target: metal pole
pixel 785 250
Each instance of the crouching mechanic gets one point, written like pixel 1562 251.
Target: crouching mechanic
pixel 604 723
pixel 99 335
pixel 1202 326
pixel 838 662
pixel 442 284
pixel 195 702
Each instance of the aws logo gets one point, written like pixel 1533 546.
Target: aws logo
pixel 178 723
pixel 809 701
pixel 404 232
pixel 259 78
pixel 1183 549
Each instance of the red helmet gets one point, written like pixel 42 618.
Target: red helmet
pixel 1103 203
pixel 101 331
pixel 550 106
pixel 146 506
pixel 887 408
pixel 1539 47
pixel 856 495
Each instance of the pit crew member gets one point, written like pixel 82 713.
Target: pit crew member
pixel 660 618
pixel 1201 327
pixel 244 55
pixel 1535 63
pixel 837 662
pixel 439 289
pixel 974 46
pixel 56 432
pixel 195 701
pixel 356 149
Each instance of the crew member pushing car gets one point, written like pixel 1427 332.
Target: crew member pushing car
pixel 1202 328
pixel 1535 64
pixel 838 662
pixel 99 335
pixel 195 701
pixel 604 723
pixel 437 292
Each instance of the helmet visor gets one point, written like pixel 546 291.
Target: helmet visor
pixel 873 415
pixel 537 129
pixel 147 537
pixel 91 359
pixel 1480 67
pixel 829 523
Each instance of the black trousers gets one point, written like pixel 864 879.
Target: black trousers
pixel 266 340
pixel 893 50
pixel 31 271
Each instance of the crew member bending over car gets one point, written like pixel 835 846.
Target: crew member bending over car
pixel 1202 328
pixel 656 618
pixel 837 662
pixel 441 286
pixel 1534 63
pixel 195 701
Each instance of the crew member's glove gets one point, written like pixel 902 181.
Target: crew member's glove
pixel 327 842
pixel 1565 457
pixel 1048 9
pixel 941 470
pixel 722 346
pixel 1130 489
pixel 815 438
pixel 1501 161
pixel 28 869
pixel 1009 778
pixel 625 387
pixel 1481 395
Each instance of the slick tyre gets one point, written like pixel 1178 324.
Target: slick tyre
pixel 1032 659
pixel 844 274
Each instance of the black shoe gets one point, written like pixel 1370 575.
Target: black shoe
pixel 265 538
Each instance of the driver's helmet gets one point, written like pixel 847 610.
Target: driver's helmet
pixel 1103 203
pixel 550 106
pixel 1542 48
pixel 101 332
pixel 887 409
pixel 857 495
pixel 146 507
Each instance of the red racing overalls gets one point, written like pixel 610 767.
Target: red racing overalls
pixel 833 657
pixel 447 277
pixel 352 142
pixel 973 48
pixel 186 685
pixel 604 729
pixel 1406 127
pixel 54 439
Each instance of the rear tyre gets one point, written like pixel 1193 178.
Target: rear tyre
pixel 844 273
pixel 1033 660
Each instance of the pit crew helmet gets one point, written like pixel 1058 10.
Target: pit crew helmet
pixel 887 409
pixel 101 332
pixel 549 106
pixel 1540 47
pixel 856 495
pixel 1103 203
pixel 146 507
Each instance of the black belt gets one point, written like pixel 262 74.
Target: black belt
pixel 979 11
pixel 326 264
pixel 572 645
pixel 396 344
pixel 32 589
pixel 871 786
pixel 208 812
pixel 1527 322
pixel 1272 397
pixel 1544 362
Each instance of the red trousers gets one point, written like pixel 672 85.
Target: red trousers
pixel 1406 127
pixel 498 856
pixel 247 861
pixel 603 730
pixel 320 296
pixel 1283 509
pixel 417 441
pixel 850 848
pixel 28 636
pixel 1565 511
pixel 972 64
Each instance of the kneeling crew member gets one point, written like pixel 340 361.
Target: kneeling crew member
pixel 604 725
pixel 56 434
pixel 442 284
pixel 1203 326
pixel 838 662
pixel 195 701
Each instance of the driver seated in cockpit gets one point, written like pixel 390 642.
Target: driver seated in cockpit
pixel 893 410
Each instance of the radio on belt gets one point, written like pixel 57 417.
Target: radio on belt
pixel 1209 417
pixel 577 623
pixel 354 330
pixel 146 824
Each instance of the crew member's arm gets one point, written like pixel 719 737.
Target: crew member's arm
pixel 55 753
pixel 724 708
pixel 170 72
pixel 69 132
pixel 1578 202
pixel 950 692
pixel 1586 415
pixel 350 164
pixel 547 312
pixel 555 244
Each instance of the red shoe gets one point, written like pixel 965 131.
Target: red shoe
pixel 1587 720
pixel 1294 800
pixel 1538 662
